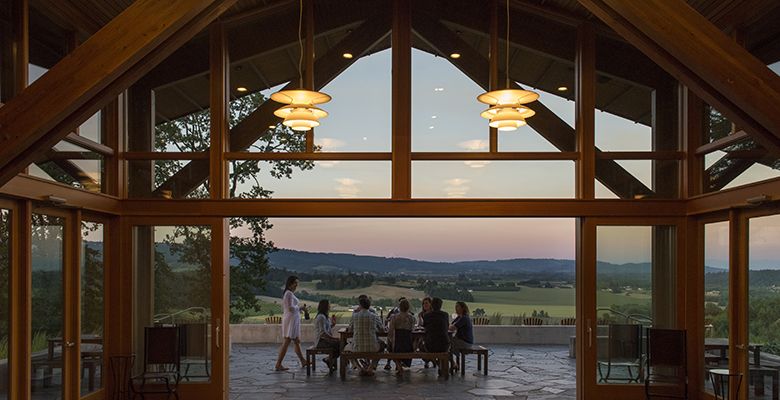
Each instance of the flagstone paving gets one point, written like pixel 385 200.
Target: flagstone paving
pixel 521 372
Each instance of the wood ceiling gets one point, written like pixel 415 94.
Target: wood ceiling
pixel 263 55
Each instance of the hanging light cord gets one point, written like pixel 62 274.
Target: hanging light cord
pixel 300 42
pixel 506 72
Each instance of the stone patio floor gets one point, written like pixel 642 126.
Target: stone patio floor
pixel 524 372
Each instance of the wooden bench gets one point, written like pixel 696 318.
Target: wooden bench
pixel 473 349
pixel 443 358
pixel 757 375
pixel 311 357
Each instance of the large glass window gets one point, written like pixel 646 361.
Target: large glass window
pixel 487 179
pixel 47 306
pixel 92 306
pixel 323 179
pixel 173 288
pixel 635 283
pixel 5 264
pixel 763 304
pixel 716 297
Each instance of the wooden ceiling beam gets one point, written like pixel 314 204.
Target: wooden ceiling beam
pixel 621 60
pixel 546 122
pixel 702 57
pixel 94 74
pixel 192 60
pixel 255 125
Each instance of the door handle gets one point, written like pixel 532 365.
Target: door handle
pixel 590 335
pixel 218 330
pixel 69 344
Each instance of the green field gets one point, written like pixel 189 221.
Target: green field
pixel 557 302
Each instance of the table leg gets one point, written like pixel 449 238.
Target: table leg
pixel 342 367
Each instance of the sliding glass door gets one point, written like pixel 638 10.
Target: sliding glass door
pixel 629 283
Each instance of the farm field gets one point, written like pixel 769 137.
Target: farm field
pixel 557 302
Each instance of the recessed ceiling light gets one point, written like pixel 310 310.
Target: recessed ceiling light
pixel 347 55
pixel 455 55
pixel 438 89
pixel 241 89
pixel 430 127
pixel 562 88
pixel 433 117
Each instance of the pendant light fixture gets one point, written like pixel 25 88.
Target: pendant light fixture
pixel 508 110
pixel 301 112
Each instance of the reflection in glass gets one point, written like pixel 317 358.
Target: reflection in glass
pixel 47 306
pixel 635 267
pixel 169 179
pixel 83 171
pixel 763 302
pixel 92 306
pixel 716 297
pixel 173 275
pixel 5 263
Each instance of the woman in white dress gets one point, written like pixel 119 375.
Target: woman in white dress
pixel 291 323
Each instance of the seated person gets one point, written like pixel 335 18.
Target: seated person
pixel 364 327
pixel 436 322
pixel 463 328
pixel 389 318
pixel 419 341
pixel 400 330
pixel 323 334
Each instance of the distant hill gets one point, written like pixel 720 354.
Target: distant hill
pixel 303 261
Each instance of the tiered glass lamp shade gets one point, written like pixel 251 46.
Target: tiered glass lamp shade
pixel 300 112
pixel 507 110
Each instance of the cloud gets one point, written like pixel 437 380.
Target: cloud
pixel 474 145
pixel 456 187
pixel 476 164
pixel 326 164
pixel 329 144
pixel 348 187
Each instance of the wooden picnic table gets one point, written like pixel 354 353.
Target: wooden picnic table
pixel 345 334
pixel 722 346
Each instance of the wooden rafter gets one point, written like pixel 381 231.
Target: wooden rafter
pixel 254 126
pixel 702 57
pixel 188 61
pixel 121 52
pixel 621 63
pixel 546 122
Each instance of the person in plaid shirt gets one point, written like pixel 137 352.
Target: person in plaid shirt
pixel 365 325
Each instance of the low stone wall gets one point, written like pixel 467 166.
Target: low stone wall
pixel 489 334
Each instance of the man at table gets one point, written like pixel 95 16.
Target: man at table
pixel 436 324
pixel 364 327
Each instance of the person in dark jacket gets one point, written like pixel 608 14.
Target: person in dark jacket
pixel 436 324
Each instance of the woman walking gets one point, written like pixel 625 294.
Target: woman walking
pixel 291 323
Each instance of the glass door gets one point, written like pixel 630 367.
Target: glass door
pixel 53 348
pixel 760 353
pixel 179 267
pixel 629 283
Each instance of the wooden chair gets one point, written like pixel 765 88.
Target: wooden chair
pixel 273 320
pixel 569 321
pixel 533 321
pixel 480 321
pixel 162 368
pixel 667 374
